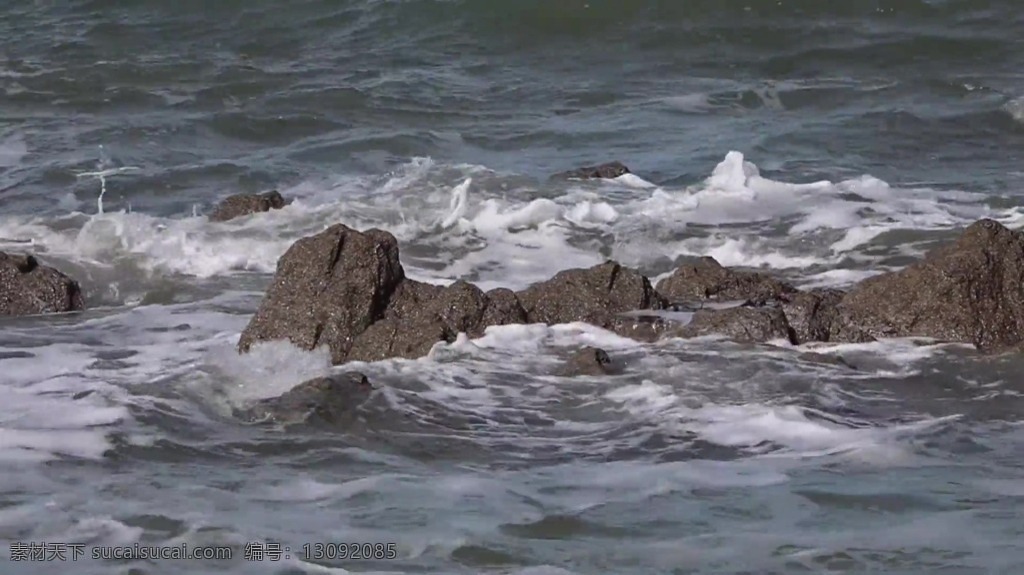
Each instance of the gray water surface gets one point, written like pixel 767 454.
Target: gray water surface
pixel 824 142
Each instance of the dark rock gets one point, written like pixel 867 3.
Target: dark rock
pixel 708 279
pixel 595 295
pixel 814 316
pixel 503 308
pixel 328 289
pixel 589 361
pixel 742 324
pixel 245 204
pixel 971 291
pixel 609 171
pixel 328 400
pixel 420 315
pixel 347 290
pixel 29 288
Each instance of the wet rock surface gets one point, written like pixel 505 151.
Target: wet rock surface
pixel 28 287
pixel 347 290
pixel 608 170
pixel 329 401
pixel 742 324
pixel 590 361
pixel 421 315
pixel 814 316
pixel 594 295
pixel 826 359
pixel 328 289
pixel 970 291
pixel 706 279
pixel 240 205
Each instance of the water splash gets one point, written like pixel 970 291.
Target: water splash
pixel 104 170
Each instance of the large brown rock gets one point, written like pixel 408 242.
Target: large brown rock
pixel 328 401
pixel 327 290
pixel 595 295
pixel 970 291
pixel 29 288
pixel 707 279
pixel 609 170
pixel 244 204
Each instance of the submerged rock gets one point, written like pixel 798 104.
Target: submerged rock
pixel 244 204
pixel 589 361
pixel 609 170
pixel 707 279
pixel 29 288
pixel 826 359
pixel 328 400
pixel 971 291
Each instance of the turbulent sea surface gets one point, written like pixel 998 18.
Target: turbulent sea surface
pixel 827 141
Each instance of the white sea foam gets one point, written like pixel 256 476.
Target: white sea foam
pixel 1015 108
pixel 506 237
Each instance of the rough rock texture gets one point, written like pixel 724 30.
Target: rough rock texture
pixel 328 400
pixel 347 290
pixel 503 308
pixel 814 316
pixel 589 361
pixel 603 171
pixel 594 295
pixel 244 204
pixel 327 290
pixel 420 315
pixel 970 291
pixel 29 288
pixel 742 324
pixel 708 279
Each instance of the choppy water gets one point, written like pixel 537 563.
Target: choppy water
pixel 828 142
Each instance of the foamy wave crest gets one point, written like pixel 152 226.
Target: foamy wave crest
pixel 498 230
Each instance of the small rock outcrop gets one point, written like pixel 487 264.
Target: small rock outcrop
pixel 328 289
pixel 589 361
pixel 328 401
pixel 29 288
pixel 706 279
pixel 741 324
pixel 347 290
pixel 594 295
pixel 608 171
pixel 971 291
pixel 420 315
pixel 244 204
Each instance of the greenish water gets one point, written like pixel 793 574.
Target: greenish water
pixel 826 142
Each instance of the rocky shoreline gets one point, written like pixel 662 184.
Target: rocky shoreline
pixel 347 290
